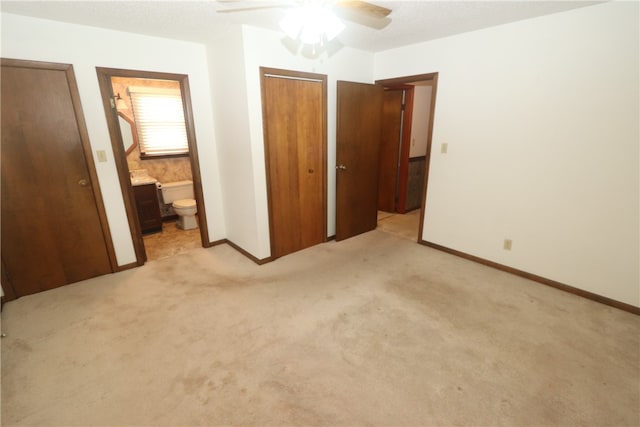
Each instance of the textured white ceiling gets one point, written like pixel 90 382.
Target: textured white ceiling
pixel 411 21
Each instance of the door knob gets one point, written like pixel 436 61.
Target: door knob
pixel 341 167
pixel 83 182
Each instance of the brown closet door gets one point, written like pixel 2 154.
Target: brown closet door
pixel 295 150
pixel 52 233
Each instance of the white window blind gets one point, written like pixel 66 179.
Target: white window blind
pixel 159 120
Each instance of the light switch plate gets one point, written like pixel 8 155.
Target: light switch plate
pixel 102 155
pixel 444 147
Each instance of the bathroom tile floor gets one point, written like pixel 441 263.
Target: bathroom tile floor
pixel 171 241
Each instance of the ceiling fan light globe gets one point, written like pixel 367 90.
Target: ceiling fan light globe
pixel 310 35
pixel 310 24
pixel 332 26
pixel 291 24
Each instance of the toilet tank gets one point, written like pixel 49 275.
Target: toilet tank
pixel 172 191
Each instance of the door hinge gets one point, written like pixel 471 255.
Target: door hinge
pixel 402 107
pixel 113 103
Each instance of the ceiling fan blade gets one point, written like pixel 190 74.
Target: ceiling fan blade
pixel 364 8
pixel 246 9
pixel 248 5
pixel 354 16
pixel 359 12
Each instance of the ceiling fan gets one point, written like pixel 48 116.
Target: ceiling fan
pixel 357 11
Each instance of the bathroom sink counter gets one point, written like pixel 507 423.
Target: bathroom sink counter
pixel 141 177
pixel 143 180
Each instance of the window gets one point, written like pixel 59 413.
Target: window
pixel 160 121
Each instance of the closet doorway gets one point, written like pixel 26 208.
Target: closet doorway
pixel 153 139
pixel 294 121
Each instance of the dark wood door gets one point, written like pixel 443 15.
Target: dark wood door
pixel 390 150
pixel 294 123
pixel 357 157
pixel 52 231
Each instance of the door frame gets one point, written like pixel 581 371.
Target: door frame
pixel 403 81
pixel 88 157
pixel 120 157
pixel 296 75
pixel 402 169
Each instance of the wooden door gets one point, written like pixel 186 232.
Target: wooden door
pixel 357 157
pixel 53 232
pixel 389 150
pixel 295 145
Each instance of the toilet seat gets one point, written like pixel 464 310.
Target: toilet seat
pixel 186 210
pixel 184 203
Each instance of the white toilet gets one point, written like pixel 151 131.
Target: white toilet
pixel 180 194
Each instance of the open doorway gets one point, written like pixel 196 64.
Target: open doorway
pixel 405 147
pixel 152 133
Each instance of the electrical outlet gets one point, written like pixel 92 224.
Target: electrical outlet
pixel 444 147
pixel 507 244
pixel 102 155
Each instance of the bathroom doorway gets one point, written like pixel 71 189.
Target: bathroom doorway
pixel 153 138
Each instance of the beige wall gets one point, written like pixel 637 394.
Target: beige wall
pixel 420 120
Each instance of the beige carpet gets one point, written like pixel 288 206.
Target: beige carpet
pixel 400 225
pixel 375 330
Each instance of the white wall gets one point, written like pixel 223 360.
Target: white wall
pixel 230 107
pixel 420 120
pixel 249 226
pixel 541 117
pixel 88 47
